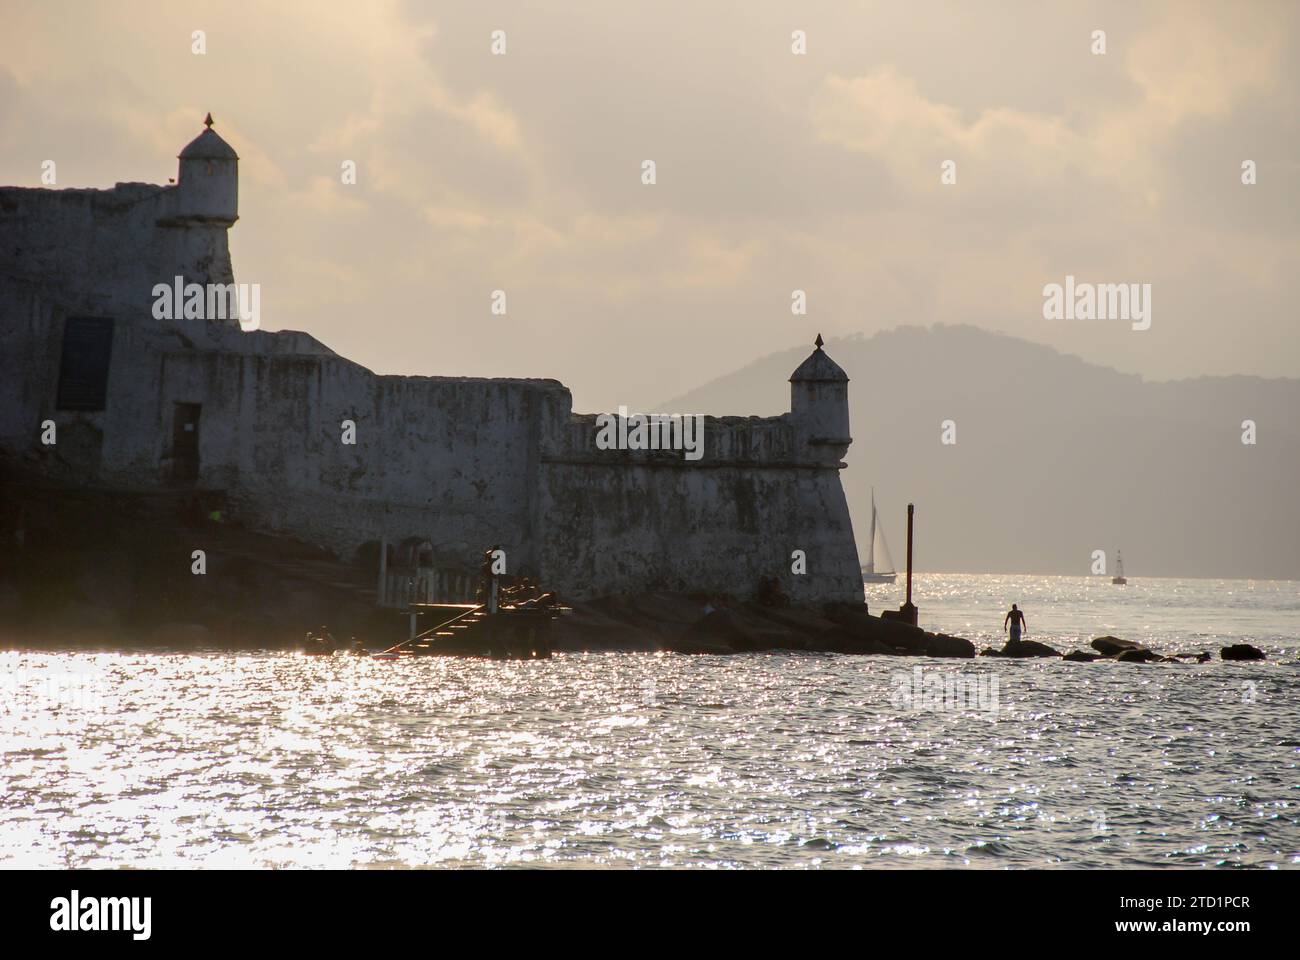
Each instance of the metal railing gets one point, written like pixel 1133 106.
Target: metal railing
pixel 401 588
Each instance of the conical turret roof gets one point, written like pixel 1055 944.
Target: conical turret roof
pixel 819 367
pixel 208 146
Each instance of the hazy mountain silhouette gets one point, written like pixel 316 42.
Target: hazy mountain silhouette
pixel 1054 457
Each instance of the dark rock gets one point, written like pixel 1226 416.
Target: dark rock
pixel 678 622
pixel 1081 656
pixel 1140 655
pixel 107 580
pixel 800 619
pixel 1022 648
pixel 845 640
pixel 737 631
pixel 767 634
pixel 179 634
pixel 894 636
pixel 677 610
pixel 652 621
pixel 247 631
pixel 810 631
pixel 1114 646
pixel 78 615
pixel 943 645
pixel 887 636
pixel 701 646
pixel 1241 651
pixel 591 628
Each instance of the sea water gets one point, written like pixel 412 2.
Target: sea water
pixel 216 759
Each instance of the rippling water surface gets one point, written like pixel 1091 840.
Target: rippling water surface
pixel 775 760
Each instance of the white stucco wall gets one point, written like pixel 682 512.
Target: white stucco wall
pixel 462 462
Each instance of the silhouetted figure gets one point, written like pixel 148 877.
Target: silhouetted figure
pixel 491 584
pixel 770 593
pixel 1015 618
pixel 325 641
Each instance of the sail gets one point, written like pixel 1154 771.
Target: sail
pixel 879 559
pixel 871 540
pixel 884 560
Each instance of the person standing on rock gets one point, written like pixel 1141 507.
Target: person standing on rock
pixel 491 584
pixel 1016 619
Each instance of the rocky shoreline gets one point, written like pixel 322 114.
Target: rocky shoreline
pixel 683 623
pixel 651 622
pixel 111 570
pixel 1122 651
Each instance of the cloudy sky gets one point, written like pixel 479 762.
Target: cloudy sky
pixel 775 172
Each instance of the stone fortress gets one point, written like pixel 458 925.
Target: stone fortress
pixel 457 463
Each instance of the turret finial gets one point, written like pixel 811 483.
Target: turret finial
pixel 819 341
pixel 208 121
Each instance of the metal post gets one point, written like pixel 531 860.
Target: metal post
pixel 911 510
pixel 909 612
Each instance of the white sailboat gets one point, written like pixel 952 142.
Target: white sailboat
pixel 869 572
pixel 1119 577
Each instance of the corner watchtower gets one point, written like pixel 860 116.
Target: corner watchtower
pixel 819 407
pixel 207 184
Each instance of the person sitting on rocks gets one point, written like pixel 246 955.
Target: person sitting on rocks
pixel 326 639
pixel 770 593
pixel 1016 619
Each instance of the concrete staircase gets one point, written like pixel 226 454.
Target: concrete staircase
pixel 466 629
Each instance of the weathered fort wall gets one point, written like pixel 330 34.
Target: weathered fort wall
pixel 445 459
pixel 638 520
pixel 463 463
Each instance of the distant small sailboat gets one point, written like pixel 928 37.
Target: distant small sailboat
pixel 1119 577
pixel 869 574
